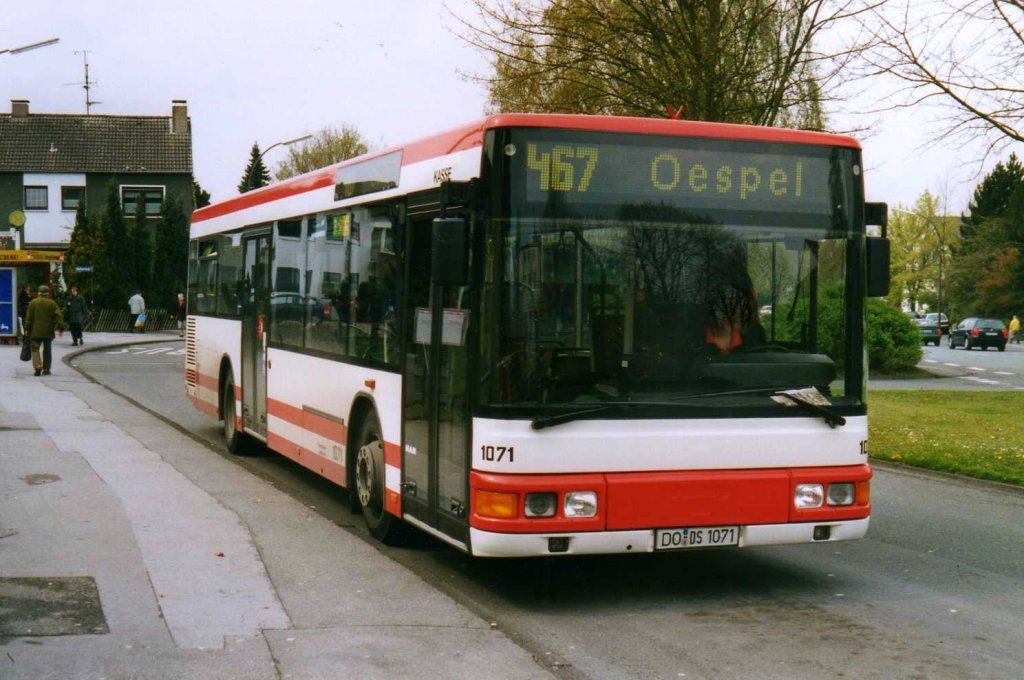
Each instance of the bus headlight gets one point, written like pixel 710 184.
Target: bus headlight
pixel 541 504
pixel 809 496
pixel 841 493
pixel 580 503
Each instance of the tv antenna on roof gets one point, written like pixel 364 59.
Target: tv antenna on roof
pixel 86 84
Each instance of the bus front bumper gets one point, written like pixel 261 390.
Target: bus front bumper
pixel 493 544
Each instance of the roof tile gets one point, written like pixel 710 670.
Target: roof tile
pixel 45 142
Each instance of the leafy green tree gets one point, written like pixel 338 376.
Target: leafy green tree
pixel 745 62
pixel 255 175
pixel 328 146
pixel 921 239
pixel 142 251
pixel 170 266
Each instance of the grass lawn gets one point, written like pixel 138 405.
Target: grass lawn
pixel 977 433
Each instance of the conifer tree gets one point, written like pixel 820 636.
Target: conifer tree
pixel 200 197
pixel 170 266
pixel 79 251
pixel 255 175
pixel 114 261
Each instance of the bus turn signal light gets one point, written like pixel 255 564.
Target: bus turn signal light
pixel 864 492
pixel 496 504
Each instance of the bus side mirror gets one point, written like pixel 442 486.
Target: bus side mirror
pixel 877 214
pixel 878 266
pixel 449 262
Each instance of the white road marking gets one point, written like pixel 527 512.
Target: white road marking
pixel 984 381
pixel 953 365
pixel 1004 373
pixel 975 368
pixel 930 361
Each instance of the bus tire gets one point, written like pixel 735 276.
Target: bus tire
pixel 369 481
pixel 235 440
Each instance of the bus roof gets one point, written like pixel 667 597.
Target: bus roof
pixel 471 134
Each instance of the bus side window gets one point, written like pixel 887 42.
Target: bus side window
pixel 206 298
pixel 229 266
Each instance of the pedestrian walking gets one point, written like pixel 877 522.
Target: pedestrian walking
pixel 1015 329
pixel 137 307
pixel 24 297
pixel 180 314
pixel 42 320
pixel 75 313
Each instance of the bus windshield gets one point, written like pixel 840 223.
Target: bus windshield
pixel 642 287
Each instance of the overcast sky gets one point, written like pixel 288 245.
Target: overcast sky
pixel 267 72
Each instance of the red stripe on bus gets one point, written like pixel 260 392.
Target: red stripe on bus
pixel 307 420
pixel 325 467
pixel 205 406
pixel 668 127
pixel 208 381
pixel 648 500
pixel 393 502
pixel 393 455
pixel 457 139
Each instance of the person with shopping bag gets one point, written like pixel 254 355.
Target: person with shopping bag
pixel 137 318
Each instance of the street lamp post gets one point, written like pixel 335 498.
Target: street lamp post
pixel 942 247
pixel 31 46
pixel 287 142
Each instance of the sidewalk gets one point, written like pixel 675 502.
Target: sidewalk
pixel 129 550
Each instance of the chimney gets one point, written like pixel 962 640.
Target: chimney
pixel 179 116
pixel 19 108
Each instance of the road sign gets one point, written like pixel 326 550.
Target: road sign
pixel 83 267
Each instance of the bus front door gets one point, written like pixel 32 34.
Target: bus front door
pixel 434 453
pixel 255 329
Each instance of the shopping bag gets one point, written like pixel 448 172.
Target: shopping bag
pixel 140 321
pixel 26 349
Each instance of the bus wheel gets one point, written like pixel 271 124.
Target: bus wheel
pixel 369 478
pixel 234 439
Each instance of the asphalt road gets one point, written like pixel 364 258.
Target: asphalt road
pixel 936 590
pixel 960 369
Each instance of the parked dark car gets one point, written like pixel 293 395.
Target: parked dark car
pixel 930 331
pixel 979 332
pixel 295 307
pixel 940 319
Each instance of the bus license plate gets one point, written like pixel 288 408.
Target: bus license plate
pixel 699 537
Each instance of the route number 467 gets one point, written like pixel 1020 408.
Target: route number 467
pixel 497 454
pixel 559 168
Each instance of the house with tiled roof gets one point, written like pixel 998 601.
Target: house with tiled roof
pixel 49 163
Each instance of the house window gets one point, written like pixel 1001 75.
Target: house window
pixel 151 197
pixel 36 198
pixel 71 197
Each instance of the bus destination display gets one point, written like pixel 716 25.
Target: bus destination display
pixel 689 175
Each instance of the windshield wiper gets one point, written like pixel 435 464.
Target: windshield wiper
pixel 830 416
pixel 541 422
pixel 793 396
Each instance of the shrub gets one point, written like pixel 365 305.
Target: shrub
pixel 894 343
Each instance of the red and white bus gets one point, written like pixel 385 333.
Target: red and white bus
pixel 553 334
